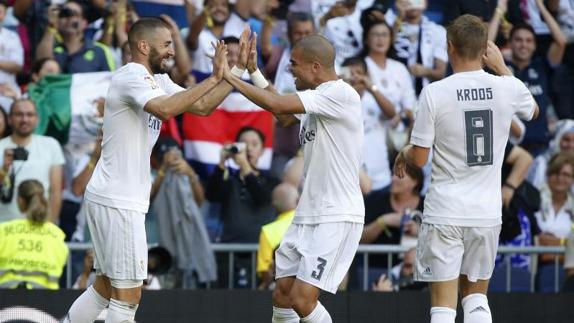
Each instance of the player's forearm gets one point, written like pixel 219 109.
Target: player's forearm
pixel 183 101
pixel 284 120
pixel 264 99
pixel 10 67
pixel 213 98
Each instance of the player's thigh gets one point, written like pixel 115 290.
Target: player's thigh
pixel 287 256
pixel 440 251
pixel 480 247
pixel 328 250
pixel 119 240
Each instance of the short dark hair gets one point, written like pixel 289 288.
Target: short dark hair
pixel 522 26
pixel 4 3
pixel 355 61
pixel 468 35
pixel 18 101
pixel 39 63
pixel 230 40
pixel 296 17
pixel 142 27
pixel 247 129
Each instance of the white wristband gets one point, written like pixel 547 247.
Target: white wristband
pixel 259 80
pixel 237 71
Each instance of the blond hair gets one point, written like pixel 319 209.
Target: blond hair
pixel 468 35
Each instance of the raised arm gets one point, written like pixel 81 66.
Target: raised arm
pixel 556 49
pixel 214 97
pixel 496 19
pixel 165 107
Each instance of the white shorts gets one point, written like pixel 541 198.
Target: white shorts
pixel 119 239
pixel 318 254
pixel 444 252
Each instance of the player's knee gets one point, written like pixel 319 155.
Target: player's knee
pixel 302 304
pixel 127 290
pixel 281 297
pixel 476 309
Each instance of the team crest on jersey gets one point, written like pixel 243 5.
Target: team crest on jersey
pixel 532 73
pixel 151 82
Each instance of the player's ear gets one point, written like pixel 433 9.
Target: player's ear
pixel 143 47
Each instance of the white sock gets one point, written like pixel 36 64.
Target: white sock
pixel 121 312
pixel 284 315
pixel 442 315
pixel 319 315
pixel 87 307
pixel 476 309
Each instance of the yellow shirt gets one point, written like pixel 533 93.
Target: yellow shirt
pixel 35 254
pixel 270 238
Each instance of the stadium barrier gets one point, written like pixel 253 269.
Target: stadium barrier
pixel 365 249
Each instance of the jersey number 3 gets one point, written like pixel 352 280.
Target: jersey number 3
pixel 320 268
pixel 478 130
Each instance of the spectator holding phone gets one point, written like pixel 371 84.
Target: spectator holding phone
pixel 25 155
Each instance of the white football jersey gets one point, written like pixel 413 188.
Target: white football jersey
pixel 332 140
pixel 466 119
pixel 122 177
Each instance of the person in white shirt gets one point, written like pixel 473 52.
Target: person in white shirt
pixel 420 43
pixel 11 60
pixel 116 200
pixel 319 246
pixel 388 108
pixel 345 33
pixel 465 118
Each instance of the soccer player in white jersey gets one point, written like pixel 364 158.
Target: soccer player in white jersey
pixel 465 118
pixel 320 244
pixel 140 96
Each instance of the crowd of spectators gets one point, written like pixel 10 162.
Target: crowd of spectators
pixel 387 50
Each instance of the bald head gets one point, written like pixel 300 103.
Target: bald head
pixel 316 48
pixel 144 29
pixel 285 197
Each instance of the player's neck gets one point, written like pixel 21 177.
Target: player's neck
pixel 461 66
pixel 143 62
pixel 326 77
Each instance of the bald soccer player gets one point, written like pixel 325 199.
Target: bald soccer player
pixel 140 96
pixel 320 244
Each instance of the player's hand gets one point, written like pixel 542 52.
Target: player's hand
pixel 252 61
pixel 244 48
pixel 494 60
pixel 219 59
pixel 383 284
pixel 171 24
pixel 418 70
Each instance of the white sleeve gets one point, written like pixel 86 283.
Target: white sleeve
pixel 523 103
pixel 424 129
pixel 169 86
pixel 439 38
pixel 140 88
pixel 319 103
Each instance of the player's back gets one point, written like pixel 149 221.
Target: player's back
pixel 470 113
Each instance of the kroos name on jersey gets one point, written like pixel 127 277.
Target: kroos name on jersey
pixel 474 94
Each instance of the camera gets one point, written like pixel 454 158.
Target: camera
pixel 20 153
pixel 235 148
